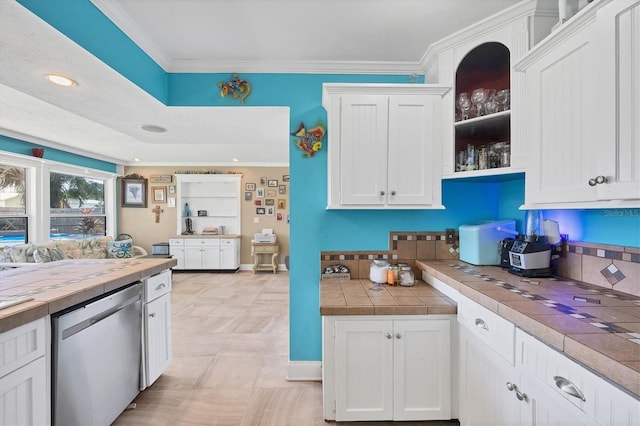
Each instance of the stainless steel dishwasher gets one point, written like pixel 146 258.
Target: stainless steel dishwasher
pixel 96 358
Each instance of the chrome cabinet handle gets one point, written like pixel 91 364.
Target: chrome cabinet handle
pixel 398 336
pixel 381 192
pixel 521 396
pixel 481 324
pixel 393 192
pixel 510 386
pixel 161 285
pixel 597 180
pixel 567 386
pixel 389 336
pixel 152 314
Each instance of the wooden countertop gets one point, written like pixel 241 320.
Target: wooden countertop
pixel 598 327
pixel 357 297
pixel 58 285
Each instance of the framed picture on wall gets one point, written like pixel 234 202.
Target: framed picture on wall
pixel 273 183
pixel 159 194
pixel 134 192
pixel 260 192
pixel 248 195
pixel 249 186
pixel 271 193
pixel 269 202
pixel 270 211
pixel 282 189
pixel 285 178
pixel 260 210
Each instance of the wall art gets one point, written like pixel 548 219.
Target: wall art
pixel 236 87
pixel 159 194
pixel 134 192
pixel 309 140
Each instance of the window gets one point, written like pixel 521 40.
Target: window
pixel 14 221
pixel 77 206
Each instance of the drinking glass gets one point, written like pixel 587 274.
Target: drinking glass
pixel 478 96
pixel 503 98
pixel 464 105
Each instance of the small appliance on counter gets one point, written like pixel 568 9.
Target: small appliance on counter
pixel 480 241
pixel 530 254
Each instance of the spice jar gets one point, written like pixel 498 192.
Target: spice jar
pixel 392 275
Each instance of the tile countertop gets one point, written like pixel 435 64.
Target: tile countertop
pixel 357 297
pixel 598 327
pixel 58 285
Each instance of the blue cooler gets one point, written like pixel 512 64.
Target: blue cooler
pixel 480 241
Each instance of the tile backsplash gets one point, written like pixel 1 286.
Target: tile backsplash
pixel 608 266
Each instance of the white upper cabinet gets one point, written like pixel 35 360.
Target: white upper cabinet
pixel 618 44
pixel 583 97
pixel 384 145
pixel 488 140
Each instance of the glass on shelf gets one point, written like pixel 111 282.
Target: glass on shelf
pixel 503 99
pixel 464 105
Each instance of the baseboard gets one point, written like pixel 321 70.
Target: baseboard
pixel 308 371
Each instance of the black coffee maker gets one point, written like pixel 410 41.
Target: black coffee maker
pixel 505 248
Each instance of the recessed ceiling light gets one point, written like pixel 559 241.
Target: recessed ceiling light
pixel 153 128
pixel 235 159
pixel 136 159
pixel 60 80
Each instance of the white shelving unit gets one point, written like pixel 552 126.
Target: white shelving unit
pixel 214 201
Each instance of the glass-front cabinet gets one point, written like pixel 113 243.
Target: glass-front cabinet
pixel 482 114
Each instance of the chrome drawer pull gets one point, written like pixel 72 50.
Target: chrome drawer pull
pixel 389 336
pixel 161 285
pixel 481 324
pixel 567 386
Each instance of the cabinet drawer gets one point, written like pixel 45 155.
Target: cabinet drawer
pixel 265 249
pixel 601 400
pixel 212 242
pixel 227 243
pixel 157 285
pixel 21 345
pixel 491 328
pixel 176 242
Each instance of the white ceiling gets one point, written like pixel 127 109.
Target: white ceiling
pixel 102 115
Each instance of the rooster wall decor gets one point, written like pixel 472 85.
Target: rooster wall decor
pixel 235 87
pixel 309 140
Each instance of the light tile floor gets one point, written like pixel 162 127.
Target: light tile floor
pixel 230 353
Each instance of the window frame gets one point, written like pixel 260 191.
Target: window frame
pixel 37 200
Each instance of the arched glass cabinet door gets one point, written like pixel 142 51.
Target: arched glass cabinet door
pixel 483 110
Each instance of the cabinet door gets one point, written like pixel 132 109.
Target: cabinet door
pixel 487 395
pixel 158 337
pixel 363 149
pixel 549 410
pixel 619 100
pixel 422 370
pixel 413 136
pixel 561 109
pixel 193 257
pixel 229 254
pixel 176 250
pixel 210 257
pixel 23 395
pixel 364 370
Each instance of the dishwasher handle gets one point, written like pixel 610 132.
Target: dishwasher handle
pixel 76 328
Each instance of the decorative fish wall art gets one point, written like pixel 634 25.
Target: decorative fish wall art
pixel 309 140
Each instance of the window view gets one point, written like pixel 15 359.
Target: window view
pixel 13 211
pixel 76 206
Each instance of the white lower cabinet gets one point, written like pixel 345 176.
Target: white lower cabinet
pixel 205 253
pixel 176 250
pixel 157 327
pixel 24 394
pixel 386 368
pixel 491 392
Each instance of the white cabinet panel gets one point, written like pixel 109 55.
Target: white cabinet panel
pixel 24 396
pixel 384 145
pixel 386 368
pixel 158 337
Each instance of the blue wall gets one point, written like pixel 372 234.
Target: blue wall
pixel 17 146
pixel 314 229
